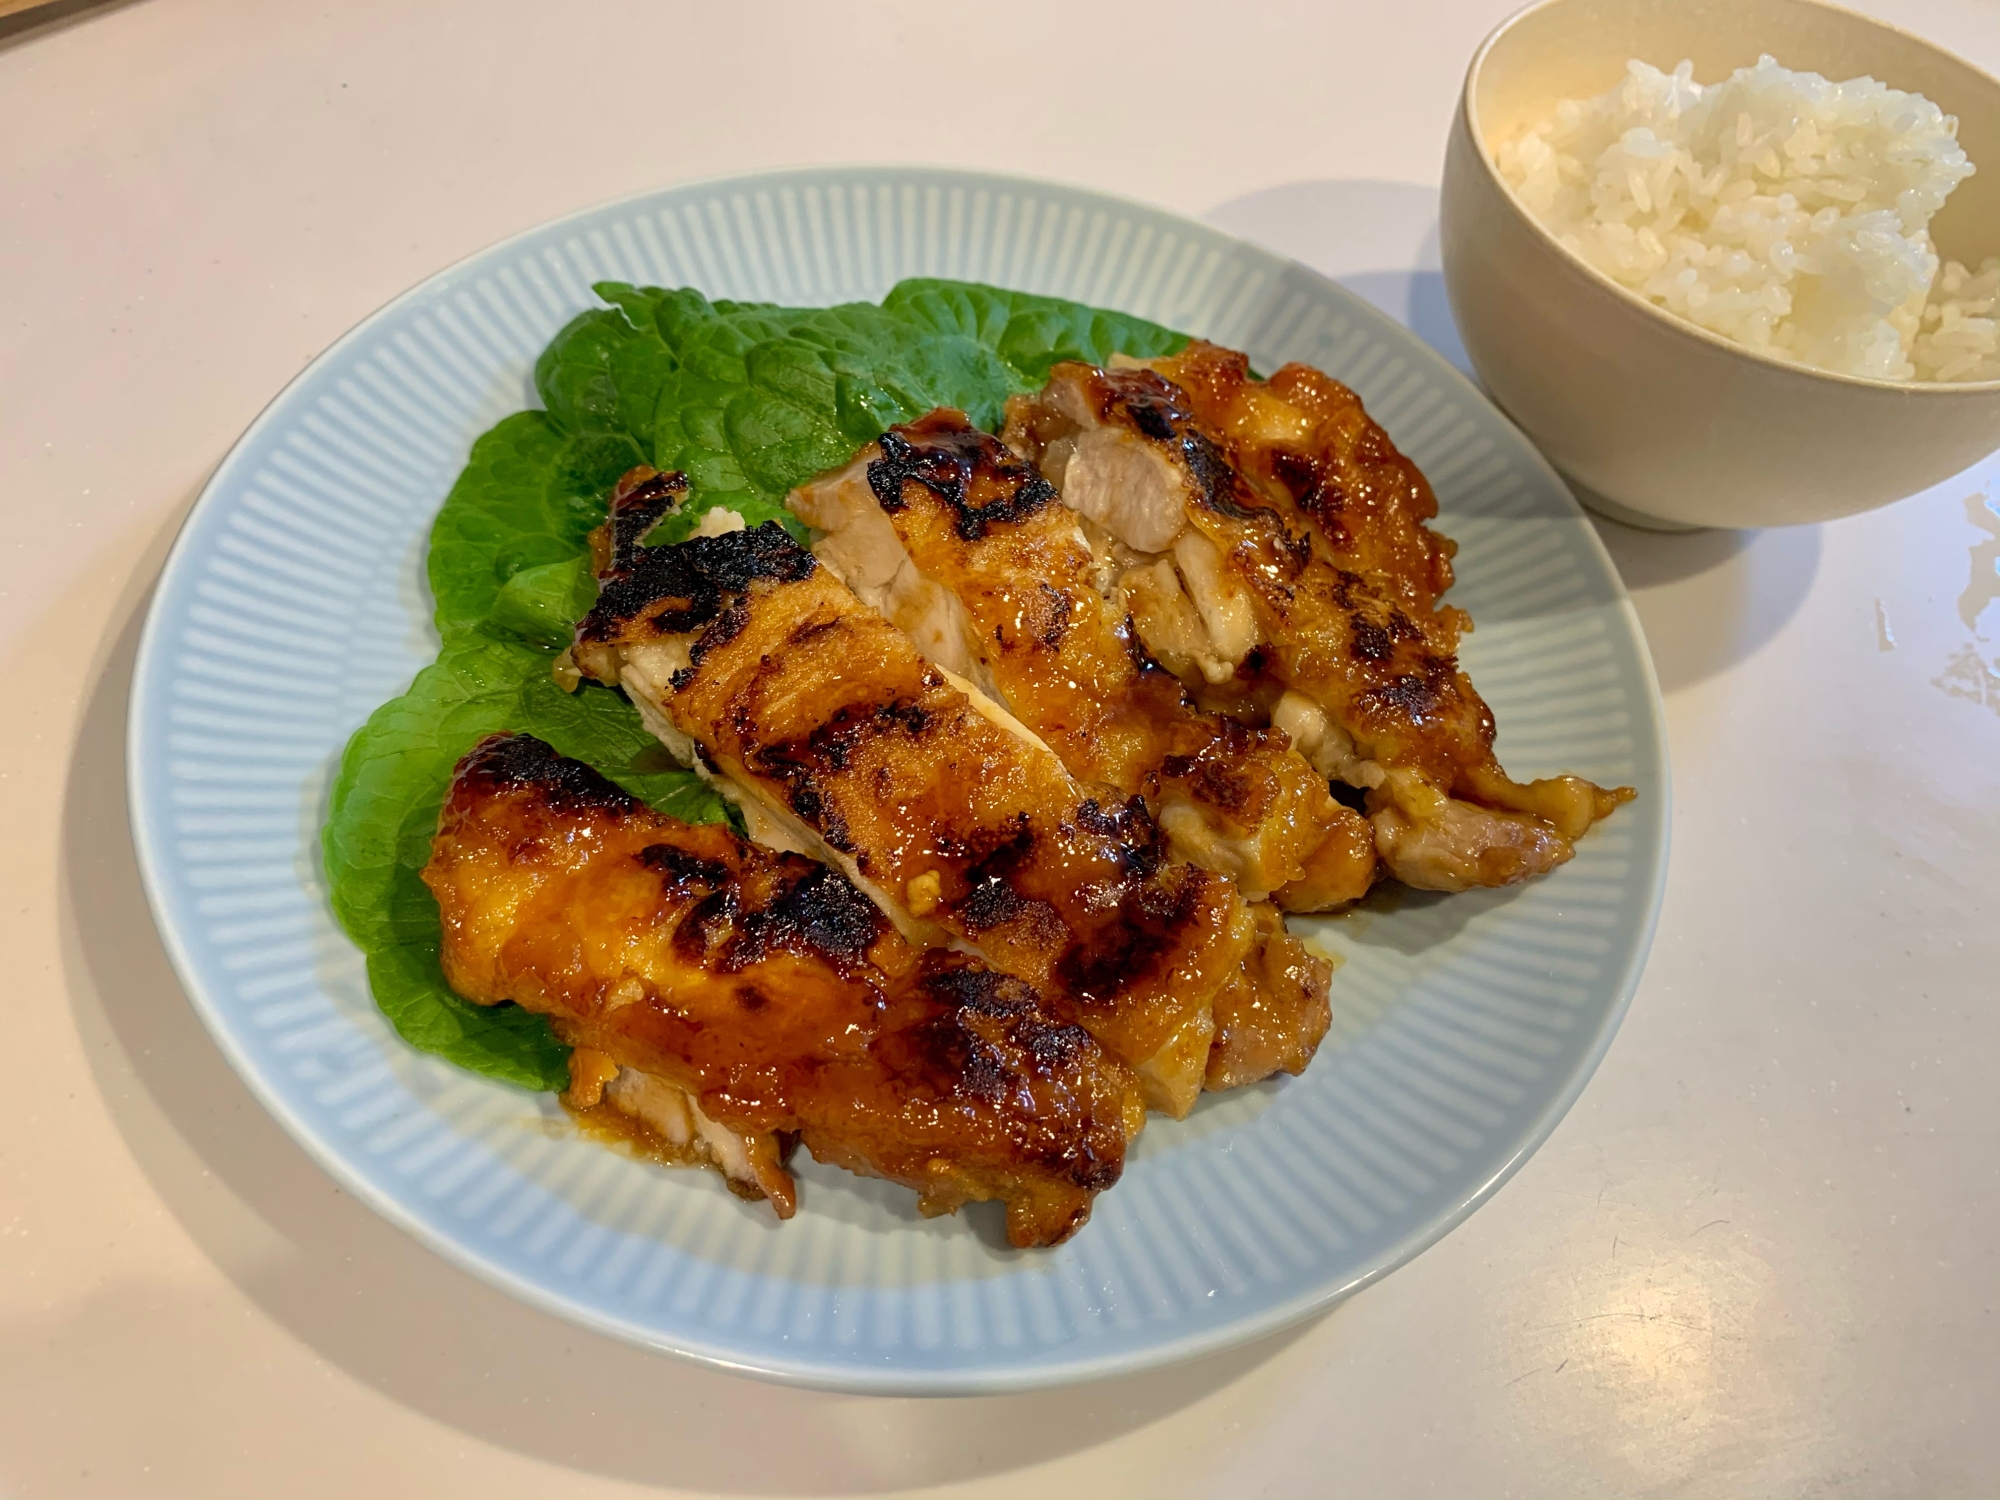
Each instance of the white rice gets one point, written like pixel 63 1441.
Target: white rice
pixel 1776 209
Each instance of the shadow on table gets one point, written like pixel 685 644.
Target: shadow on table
pixel 1711 599
pixel 373 1302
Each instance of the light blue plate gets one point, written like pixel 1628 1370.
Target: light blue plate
pixel 294 603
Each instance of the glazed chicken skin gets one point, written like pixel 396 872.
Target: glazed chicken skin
pixel 835 736
pixel 731 998
pixel 970 552
pixel 1318 612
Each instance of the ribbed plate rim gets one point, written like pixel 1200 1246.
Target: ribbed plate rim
pixel 688 1344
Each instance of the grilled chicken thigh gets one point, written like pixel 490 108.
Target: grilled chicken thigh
pixel 832 732
pixel 731 998
pixel 1269 541
pixel 968 550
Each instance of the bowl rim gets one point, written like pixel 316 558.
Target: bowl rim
pixel 1483 153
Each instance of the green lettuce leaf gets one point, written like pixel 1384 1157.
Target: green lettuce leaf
pixel 541 604
pixel 604 371
pixel 529 496
pixel 1028 333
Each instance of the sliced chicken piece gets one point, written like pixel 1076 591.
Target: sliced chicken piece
pixel 1353 656
pixel 666 1122
pixel 726 1000
pixel 1272 1018
pixel 864 552
pixel 1170 627
pixel 1440 843
pixel 760 666
pixel 971 518
pixel 949 505
pixel 1307 446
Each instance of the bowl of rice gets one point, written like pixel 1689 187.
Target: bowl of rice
pixel 1729 262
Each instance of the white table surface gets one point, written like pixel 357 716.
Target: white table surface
pixel 1758 1258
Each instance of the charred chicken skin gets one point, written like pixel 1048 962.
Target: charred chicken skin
pixel 837 738
pixel 733 999
pixel 1269 542
pixel 969 551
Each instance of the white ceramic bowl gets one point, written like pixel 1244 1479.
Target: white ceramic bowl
pixel 1657 421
